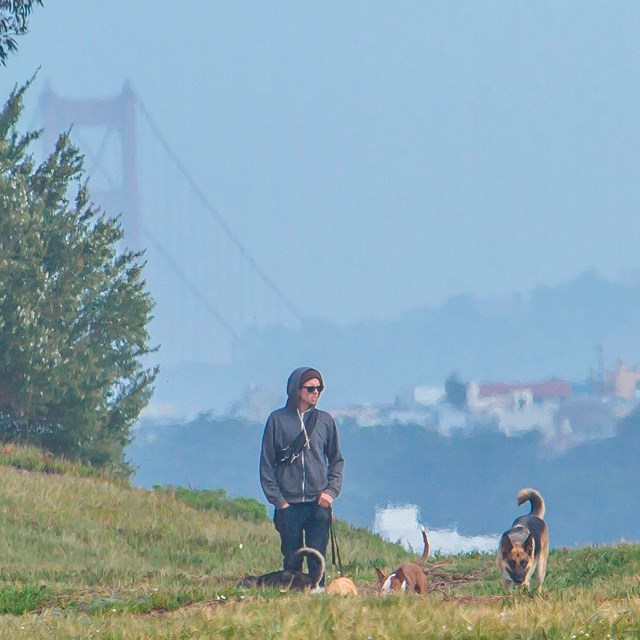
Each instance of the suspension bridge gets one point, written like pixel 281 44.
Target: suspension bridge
pixel 207 286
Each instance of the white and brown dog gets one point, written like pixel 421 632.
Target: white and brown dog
pixel 408 576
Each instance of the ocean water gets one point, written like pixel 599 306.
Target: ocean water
pixel 401 523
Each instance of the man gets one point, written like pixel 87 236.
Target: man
pixel 301 487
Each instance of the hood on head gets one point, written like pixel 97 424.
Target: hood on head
pixel 293 384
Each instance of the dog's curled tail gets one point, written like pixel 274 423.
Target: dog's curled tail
pixel 425 553
pixel 308 551
pixel 536 500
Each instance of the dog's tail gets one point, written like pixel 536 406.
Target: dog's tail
pixel 320 567
pixel 534 497
pixel 425 553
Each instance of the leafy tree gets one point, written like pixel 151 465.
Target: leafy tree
pixel 73 309
pixel 14 15
pixel 455 391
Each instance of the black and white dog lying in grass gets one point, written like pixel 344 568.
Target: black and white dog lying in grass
pixel 290 579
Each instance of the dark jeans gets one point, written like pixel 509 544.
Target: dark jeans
pixel 302 524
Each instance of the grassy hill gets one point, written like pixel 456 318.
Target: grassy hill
pixel 86 556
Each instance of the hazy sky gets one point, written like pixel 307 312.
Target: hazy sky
pixel 376 157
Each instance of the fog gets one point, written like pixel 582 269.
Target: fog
pixel 334 169
pixel 391 193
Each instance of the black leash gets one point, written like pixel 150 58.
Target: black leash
pixel 335 552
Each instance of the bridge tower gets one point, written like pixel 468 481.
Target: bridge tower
pixel 105 131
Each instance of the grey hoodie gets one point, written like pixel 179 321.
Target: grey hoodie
pixel 318 469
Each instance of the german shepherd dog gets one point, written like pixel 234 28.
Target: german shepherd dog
pixel 408 576
pixel 289 579
pixel 525 547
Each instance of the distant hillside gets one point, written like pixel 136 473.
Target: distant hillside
pixel 553 331
pixel 469 481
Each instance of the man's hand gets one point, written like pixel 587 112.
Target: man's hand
pixel 325 500
pixel 284 506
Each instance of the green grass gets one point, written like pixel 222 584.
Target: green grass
pixel 23 599
pixel 217 500
pixel 87 557
pixel 32 459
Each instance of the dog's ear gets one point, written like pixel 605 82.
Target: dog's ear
pixel 381 576
pixel 530 545
pixel 505 544
pixel 401 581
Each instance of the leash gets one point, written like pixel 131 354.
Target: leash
pixel 335 551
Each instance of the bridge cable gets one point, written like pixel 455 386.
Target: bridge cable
pixel 215 213
pixel 192 287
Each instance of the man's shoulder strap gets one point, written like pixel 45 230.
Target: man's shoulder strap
pixel 311 425
pixel 287 455
pixel 298 444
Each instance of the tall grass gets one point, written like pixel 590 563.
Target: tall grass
pixel 85 557
pixel 218 501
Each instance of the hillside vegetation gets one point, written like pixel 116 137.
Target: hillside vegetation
pixel 90 557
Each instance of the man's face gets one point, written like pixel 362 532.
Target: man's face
pixel 309 393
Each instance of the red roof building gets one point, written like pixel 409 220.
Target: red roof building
pixel 546 390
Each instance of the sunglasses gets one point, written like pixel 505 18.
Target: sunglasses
pixel 311 388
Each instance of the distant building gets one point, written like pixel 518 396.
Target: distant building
pixel 624 383
pixel 524 392
pixel 420 396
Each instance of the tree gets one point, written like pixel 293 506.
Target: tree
pixel 73 309
pixel 455 391
pixel 14 15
